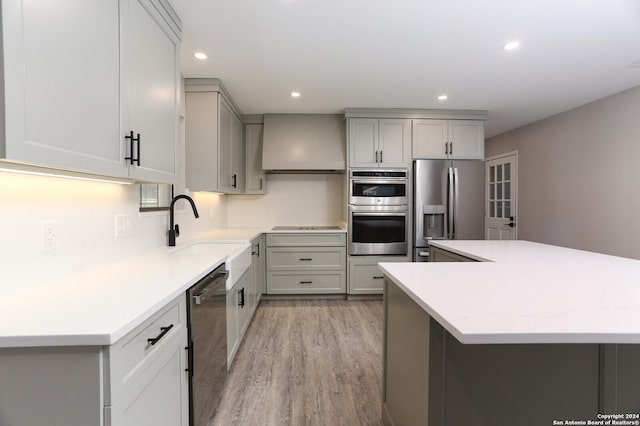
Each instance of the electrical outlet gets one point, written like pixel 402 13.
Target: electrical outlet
pixel 123 225
pixel 49 237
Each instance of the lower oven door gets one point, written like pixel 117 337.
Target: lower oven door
pixel 374 231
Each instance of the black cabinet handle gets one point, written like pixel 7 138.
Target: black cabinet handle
pixel 163 331
pixel 306 282
pixel 306 259
pixel 241 301
pixel 133 139
pixel 235 181
pixel 137 160
pixel 377 278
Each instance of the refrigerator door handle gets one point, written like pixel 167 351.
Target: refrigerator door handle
pixel 450 203
pixel 456 201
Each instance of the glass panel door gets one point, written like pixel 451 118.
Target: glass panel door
pixel 501 194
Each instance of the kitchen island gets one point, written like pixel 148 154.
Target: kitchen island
pixel 523 333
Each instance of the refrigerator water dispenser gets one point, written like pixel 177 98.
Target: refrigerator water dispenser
pixel 434 223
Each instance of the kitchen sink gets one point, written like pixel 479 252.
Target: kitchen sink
pixel 238 260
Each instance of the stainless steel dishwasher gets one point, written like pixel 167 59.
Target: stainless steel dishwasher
pixel 207 315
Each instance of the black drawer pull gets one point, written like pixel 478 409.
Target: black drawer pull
pixel 241 301
pixel 163 331
pixel 306 282
pixel 305 259
pixel 377 278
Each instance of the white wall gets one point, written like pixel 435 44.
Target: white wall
pixel 579 176
pixel 84 215
pixel 291 199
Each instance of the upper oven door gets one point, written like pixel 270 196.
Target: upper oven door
pixel 378 192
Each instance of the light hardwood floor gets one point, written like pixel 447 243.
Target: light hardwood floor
pixel 307 362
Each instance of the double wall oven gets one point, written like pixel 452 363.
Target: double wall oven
pixel 378 212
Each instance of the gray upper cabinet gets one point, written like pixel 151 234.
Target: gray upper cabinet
pixel 230 148
pixel 254 174
pixel 457 139
pixel 379 142
pixel 151 80
pixel 68 104
pixel 62 108
pixel 214 143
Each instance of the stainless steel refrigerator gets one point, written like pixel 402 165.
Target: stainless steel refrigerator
pixel 448 202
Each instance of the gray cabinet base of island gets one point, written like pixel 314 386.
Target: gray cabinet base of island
pixel 430 378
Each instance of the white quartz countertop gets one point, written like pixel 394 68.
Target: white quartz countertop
pixel 525 292
pixel 312 229
pixel 100 305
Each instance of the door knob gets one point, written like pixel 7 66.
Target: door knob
pixel 512 222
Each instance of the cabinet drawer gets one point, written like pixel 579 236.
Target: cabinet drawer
pixel 126 357
pixel 158 396
pixel 315 283
pixel 306 239
pixel 365 279
pixel 306 258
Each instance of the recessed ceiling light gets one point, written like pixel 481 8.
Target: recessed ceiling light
pixel 512 45
pixel 200 55
pixel 295 94
pixel 443 97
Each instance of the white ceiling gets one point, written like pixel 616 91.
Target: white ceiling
pixel 403 53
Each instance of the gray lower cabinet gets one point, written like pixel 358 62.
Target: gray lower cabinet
pixel 243 299
pixel 237 314
pixel 131 382
pixel 306 263
pixel 258 265
pixel 439 255
pixel 430 378
pixel 364 275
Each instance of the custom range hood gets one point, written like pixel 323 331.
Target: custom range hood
pixel 303 143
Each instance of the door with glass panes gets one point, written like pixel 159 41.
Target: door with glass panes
pixel 501 197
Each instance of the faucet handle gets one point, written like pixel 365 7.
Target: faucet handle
pixel 177 229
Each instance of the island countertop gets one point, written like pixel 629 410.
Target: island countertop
pixel 526 292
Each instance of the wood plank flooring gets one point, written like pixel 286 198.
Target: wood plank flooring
pixel 307 362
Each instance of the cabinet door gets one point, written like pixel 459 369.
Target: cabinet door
pixel 150 52
pixel 363 142
pixel 225 147
pixel 258 266
pixel 365 279
pixel 160 396
pixel 467 139
pixel 242 295
pixel 61 84
pixel 201 134
pixel 254 175
pixel 237 155
pixel 430 138
pixel 233 339
pixel 394 142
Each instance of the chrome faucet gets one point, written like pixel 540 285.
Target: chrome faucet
pixel 174 230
